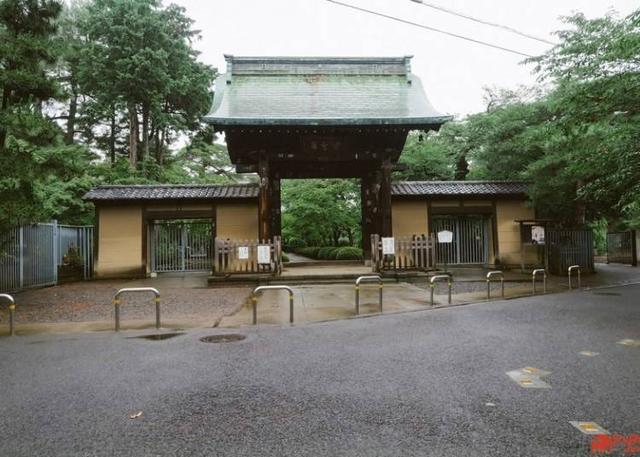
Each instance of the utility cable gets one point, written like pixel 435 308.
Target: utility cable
pixel 433 29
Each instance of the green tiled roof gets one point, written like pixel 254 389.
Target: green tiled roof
pixel 321 91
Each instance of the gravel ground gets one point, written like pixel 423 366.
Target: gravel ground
pixel 92 301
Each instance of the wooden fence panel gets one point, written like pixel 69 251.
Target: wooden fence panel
pixel 226 257
pixel 415 252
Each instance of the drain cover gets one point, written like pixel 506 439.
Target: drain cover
pixel 225 338
pixel 159 336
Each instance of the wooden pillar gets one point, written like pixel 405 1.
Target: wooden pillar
pixel 275 207
pixel 365 203
pixel 370 202
pixel 264 200
pixel 384 203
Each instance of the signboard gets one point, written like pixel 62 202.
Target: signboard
pixel 264 253
pixel 445 236
pixel 243 252
pixel 537 234
pixel 388 246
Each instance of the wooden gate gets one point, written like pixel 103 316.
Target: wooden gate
pixel 415 252
pixel 621 247
pixel 247 256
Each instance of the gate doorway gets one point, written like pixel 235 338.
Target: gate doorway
pixel 181 245
pixel 470 244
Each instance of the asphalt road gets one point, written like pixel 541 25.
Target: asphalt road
pixel 422 383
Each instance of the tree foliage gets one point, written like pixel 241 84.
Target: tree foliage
pixel 321 212
pixel 575 137
pixel 41 177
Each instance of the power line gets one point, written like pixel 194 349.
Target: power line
pixel 433 29
pixel 482 21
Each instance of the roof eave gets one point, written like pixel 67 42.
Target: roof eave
pixel 413 122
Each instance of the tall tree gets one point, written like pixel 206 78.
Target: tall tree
pixel 41 176
pixel 139 58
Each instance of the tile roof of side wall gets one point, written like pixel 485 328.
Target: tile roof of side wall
pixel 321 91
pixel 458 188
pixel 172 192
pixel 250 191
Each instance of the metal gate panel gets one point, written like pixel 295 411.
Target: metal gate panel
pixel 621 247
pixel 185 245
pixel 470 244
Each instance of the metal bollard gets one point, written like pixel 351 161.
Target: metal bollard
pixel 116 302
pixel 489 276
pixel 571 268
pixel 435 278
pixel 534 274
pixel 357 289
pixel 254 300
pixel 12 310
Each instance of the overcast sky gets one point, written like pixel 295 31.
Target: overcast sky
pixel 453 71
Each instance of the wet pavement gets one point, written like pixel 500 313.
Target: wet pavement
pixel 186 301
pixel 431 382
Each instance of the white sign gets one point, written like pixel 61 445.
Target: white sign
pixel 243 252
pixel 537 234
pixel 264 253
pixel 445 236
pixel 388 246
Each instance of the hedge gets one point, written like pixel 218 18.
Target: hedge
pixel 349 253
pixel 331 253
pixel 328 253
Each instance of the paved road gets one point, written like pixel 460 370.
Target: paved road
pixel 411 384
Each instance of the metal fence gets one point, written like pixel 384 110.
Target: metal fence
pixel 621 247
pixel 181 246
pixel 570 247
pixel 470 243
pixel 31 254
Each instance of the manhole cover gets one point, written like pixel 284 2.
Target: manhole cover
pixel 226 338
pixel 607 293
pixel 159 336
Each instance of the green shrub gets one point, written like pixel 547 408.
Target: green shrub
pixel 349 253
pixel 311 252
pixel 294 244
pixel 327 253
pixel 285 258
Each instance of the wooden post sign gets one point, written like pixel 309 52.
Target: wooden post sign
pixel 388 246
pixel 264 254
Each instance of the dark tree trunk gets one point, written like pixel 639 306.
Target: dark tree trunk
pixel 145 131
pixel 160 147
pixel 581 208
pixel 6 94
pixel 336 237
pixel 462 168
pixel 73 109
pixel 133 135
pixel 112 138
